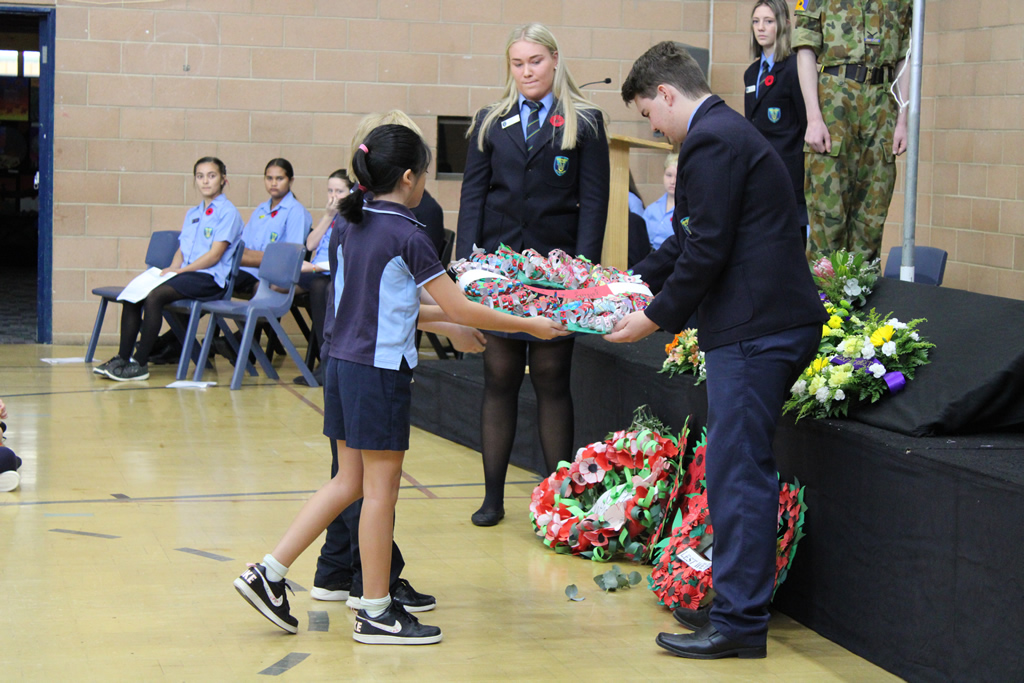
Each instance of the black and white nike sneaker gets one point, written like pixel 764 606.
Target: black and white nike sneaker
pixel 394 627
pixel 267 596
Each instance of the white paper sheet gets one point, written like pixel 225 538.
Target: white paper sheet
pixel 142 285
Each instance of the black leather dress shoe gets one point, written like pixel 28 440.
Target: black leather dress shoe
pixel 708 643
pixel 693 619
pixel 487 517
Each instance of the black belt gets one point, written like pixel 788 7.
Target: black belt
pixel 861 73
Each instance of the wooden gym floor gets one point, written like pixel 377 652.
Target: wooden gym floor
pixel 139 505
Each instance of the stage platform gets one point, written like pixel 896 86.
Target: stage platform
pixel 914 555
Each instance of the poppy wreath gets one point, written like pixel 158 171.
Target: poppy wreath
pixel 584 296
pixel 682 575
pixel 615 496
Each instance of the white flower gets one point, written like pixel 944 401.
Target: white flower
pixel 876 369
pixel 896 324
pixel 852 287
pixel 840 395
pixel 915 336
pixel 822 395
pixel 868 350
pixel 800 388
pixel 889 348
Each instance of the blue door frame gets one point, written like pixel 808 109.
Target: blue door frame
pixel 47 17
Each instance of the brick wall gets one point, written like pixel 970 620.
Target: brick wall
pixel 145 88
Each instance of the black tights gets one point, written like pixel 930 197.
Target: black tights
pixel 318 309
pixel 147 316
pixel 504 366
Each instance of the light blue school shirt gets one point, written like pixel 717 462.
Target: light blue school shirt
pixel 288 222
pixel 546 103
pixel 659 221
pixel 205 224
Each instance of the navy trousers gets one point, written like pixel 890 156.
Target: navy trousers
pixel 338 564
pixel 747 385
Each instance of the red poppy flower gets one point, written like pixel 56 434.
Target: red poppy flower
pixel 557 121
pixel 273 214
pixel 768 80
pixel 209 211
pixel 690 597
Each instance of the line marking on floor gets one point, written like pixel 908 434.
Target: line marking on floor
pixel 83 533
pixel 319 621
pixel 203 553
pixel 289 662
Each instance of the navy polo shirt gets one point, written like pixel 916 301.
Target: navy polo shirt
pixel 378 267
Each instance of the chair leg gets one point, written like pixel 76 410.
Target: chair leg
pixel 251 321
pixel 293 352
pixel 188 343
pixel 204 353
pixel 96 327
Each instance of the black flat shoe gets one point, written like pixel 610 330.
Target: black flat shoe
pixel 708 643
pixel 487 517
pixel 693 619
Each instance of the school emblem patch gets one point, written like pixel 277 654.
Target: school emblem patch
pixel 208 231
pixel 685 222
pixel 273 237
pixel 561 165
pixel 774 114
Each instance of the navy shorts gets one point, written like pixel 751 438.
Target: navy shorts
pixel 193 285
pixel 367 407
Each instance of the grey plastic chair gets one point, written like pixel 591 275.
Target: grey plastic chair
pixel 929 264
pixel 193 309
pixel 163 245
pixel 282 263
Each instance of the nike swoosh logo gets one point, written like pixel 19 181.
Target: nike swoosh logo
pixel 274 600
pixel 394 628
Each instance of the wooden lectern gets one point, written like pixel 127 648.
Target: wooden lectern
pixel 616 232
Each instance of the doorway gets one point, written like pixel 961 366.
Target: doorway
pixel 26 174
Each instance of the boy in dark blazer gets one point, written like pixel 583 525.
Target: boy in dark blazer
pixel 735 259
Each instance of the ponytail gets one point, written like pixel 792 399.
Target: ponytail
pixel 379 163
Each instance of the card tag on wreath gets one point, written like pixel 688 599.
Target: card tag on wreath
pixel 695 560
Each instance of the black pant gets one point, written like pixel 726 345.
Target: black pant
pixel 339 557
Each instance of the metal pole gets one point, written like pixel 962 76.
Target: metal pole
pixel 913 144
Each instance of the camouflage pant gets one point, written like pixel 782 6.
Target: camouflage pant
pixel 848 190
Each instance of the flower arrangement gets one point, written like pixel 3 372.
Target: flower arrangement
pixel 845 276
pixel 858 360
pixel 682 574
pixel 587 297
pixel 615 496
pixel 685 356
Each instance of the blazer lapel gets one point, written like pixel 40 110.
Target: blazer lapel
pixel 543 136
pixel 514 131
pixel 764 92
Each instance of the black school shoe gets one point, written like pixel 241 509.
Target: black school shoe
pixel 129 371
pixel 693 619
pixel 102 368
pixel 707 643
pixel 402 594
pixel 266 596
pixel 394 627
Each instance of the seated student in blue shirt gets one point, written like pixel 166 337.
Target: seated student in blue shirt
pixel 381 260
pixel 658 215
pixel 201 266
pixel 282 218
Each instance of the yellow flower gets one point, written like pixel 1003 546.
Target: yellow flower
pixel 819 364
pixel 825 330
pixel 882 335
pixel 835 322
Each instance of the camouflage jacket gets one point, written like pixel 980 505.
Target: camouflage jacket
pixel 870 32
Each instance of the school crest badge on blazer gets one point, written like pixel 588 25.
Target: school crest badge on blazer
pixel 561 165
pixel 774 114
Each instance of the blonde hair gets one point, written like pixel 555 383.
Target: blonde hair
pixel 371 121
pixel 783 43
pixel 571 100
pixel 671 160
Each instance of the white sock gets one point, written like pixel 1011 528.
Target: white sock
pixel 275 570
pixel 375 607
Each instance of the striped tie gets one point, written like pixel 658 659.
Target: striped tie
pixel 760 81
pixel 532 123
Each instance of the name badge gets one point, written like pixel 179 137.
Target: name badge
pixel 751 88
pixel 508 122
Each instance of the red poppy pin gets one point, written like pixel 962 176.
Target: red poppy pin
pixel 768 80
pixel 273 214
pixel 209 211
pixel 557 121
